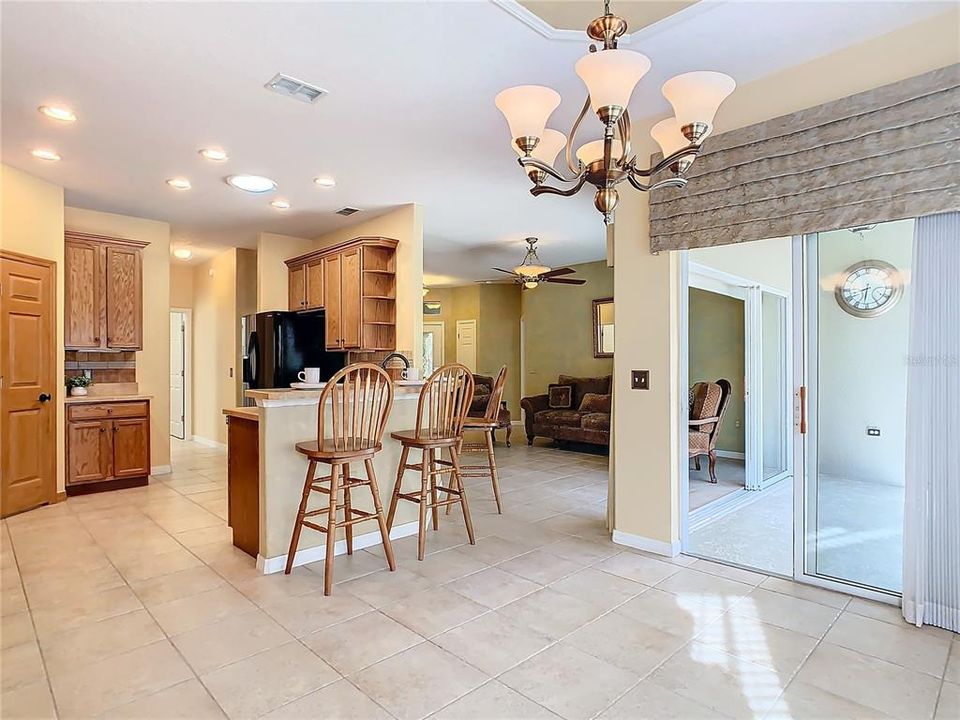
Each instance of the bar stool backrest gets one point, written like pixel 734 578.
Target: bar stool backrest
pixel 444 402
pixel 361 396
pixel 496 395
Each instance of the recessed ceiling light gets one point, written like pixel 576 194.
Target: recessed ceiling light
pixel 280 204
pixel 183 253
pixel 252 183
pixel 63 114
pixel 215 154
pixel 325 181
pixel 179 183
pixel 42 154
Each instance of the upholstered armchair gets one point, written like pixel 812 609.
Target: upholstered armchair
pixel 707 407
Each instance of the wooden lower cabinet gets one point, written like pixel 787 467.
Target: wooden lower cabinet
pixel 108 445
pixel 243 482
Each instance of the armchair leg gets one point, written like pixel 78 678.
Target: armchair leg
pixel 529 439
pixel 713 466
pixel 696 462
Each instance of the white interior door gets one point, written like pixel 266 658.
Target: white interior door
pixel 177 368
pixel 467 344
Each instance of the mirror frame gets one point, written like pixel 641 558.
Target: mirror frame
pixel 596 328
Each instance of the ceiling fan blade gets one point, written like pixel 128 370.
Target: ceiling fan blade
pixel 558 271
pixel 508 272
pixel 566 281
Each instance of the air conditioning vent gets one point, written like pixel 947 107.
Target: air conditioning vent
pixel 347 211
pixel 297 89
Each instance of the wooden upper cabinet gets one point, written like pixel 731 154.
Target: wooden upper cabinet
pixel 82 298
pixel 103 279
pixel 314 292
pixel 296 287
pixel 331 302
pixel 350 299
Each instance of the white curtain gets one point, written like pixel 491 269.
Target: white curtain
pixel 931 531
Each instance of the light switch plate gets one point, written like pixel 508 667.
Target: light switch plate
pixel 639 379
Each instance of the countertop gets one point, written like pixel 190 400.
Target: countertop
pixel 81 399
pixel 247 413
pixel 400 387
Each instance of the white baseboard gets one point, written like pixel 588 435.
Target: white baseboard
pixel 319 552
pixel 208 442
pixel 658 547
pixel 731 455
pixel 161 470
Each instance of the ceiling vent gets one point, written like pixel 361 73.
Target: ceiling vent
pixel 297 89
pixel 347 211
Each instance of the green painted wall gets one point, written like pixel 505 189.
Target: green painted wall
pixel 558 328
pixel 716 351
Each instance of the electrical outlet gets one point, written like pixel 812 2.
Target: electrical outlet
pixel 639 379
pixel 873 431
pixel 737 423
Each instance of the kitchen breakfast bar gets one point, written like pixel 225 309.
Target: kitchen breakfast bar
pixel 266 473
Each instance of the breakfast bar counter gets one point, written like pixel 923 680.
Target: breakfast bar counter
pixel 287 416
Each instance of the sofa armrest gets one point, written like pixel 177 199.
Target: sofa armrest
pixel 531 406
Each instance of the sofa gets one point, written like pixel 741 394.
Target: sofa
pixel 574 409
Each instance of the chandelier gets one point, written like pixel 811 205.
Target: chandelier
pixel 610 76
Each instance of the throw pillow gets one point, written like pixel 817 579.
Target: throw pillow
pixel 595 403
pixel 559 397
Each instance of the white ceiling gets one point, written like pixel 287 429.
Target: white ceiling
pixel 409 118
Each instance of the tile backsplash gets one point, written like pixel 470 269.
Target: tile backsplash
pixel 103 367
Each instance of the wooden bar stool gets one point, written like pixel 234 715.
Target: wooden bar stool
pixel 486 424
pixel 361 396
pixel 444 402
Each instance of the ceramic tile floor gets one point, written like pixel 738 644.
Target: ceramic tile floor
pixel 134 604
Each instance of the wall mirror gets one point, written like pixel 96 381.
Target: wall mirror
pixel 603 328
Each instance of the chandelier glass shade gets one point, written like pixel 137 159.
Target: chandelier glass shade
pixel 610 76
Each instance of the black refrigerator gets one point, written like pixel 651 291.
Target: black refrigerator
pixel 278 345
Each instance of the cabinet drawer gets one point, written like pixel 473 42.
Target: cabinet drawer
pixel 108 410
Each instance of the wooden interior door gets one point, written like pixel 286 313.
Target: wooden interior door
pixel 331 302
pixel 314 292
pixel 83 299
pixel 89 452
pixel 123 283
pixel 131 447
pixel 28 383
pixel 350 299
pixel 296 284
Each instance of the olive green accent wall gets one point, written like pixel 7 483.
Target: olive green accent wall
pixel 716 351
pixel 558 328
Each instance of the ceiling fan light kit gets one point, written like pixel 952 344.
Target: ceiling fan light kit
pixel 531 272
pixel 610 76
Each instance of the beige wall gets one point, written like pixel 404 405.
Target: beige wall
pixel 181 285
pixel 215 328
pixel 272 284
pixel 153 362
pixel 31 223
pixel 766 261
pixel 558 328
pixel 646 436
pixel 406 225
pixel 716 350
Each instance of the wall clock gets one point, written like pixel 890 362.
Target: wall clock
pixel 869 288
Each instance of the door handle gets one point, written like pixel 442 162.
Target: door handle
pixel 803 409
pixel 44 397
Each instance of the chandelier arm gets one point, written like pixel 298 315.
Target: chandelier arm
pixel 691 150
pixel 547 190
pixel 575 169
pixel 623 127
pixel 668 182
pixel 528 162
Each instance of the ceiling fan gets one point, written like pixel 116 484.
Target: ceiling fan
pixel 531 272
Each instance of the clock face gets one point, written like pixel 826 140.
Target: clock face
pixel 869 288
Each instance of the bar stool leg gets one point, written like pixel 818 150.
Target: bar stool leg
pixel 459 447
pixel 492 462
pixel 331 529
pixel 347 514
pixel 434 510
pixel 378 508
pixel 455 460
pixel 422 528
pixel 298 526
pixel 395 496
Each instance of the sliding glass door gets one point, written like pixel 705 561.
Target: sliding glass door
pixel 854 324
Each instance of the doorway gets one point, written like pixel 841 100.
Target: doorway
pixel 180 380
pixel 432 347
pixel 467 344
pixel 29 387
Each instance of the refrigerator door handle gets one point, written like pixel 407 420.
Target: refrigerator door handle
pixel 252 359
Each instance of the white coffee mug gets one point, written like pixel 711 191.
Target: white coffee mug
pixel 410 373
pixel 309 375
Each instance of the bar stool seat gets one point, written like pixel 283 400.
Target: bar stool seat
pixel 331 451
pixel 410 437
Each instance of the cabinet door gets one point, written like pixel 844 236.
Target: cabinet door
pixel 82 295
pixel 314 292
pixel 296 286
pixel 123 298
pixel 350 299
pixel 88 451
pixel 331 302
pixel 131 447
